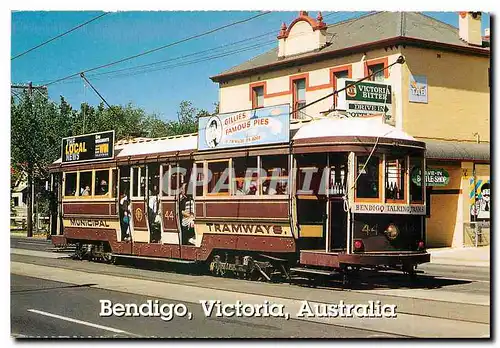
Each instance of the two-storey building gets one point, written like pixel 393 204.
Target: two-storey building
pixel 440 94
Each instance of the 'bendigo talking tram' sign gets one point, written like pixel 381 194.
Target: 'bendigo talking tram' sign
pixel 88 147
pixel 270 125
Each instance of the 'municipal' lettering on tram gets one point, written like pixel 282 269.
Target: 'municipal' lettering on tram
pixel 88 223
pixel 244 228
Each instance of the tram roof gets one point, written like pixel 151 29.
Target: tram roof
pixel 350 127
pixel 330 127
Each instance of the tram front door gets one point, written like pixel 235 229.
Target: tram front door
pixel 311 201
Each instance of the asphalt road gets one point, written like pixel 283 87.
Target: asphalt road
pixel 36 302
pixel 448 296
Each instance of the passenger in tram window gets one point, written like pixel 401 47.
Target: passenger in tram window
pixel 240 191
pixel 102 188
pixel 86 191
pixel 252 190
pixel 281 188
pixel 268 189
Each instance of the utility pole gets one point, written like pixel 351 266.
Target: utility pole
pixel 31 188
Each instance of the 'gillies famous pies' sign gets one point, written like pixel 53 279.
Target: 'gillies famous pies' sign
pixel 88 147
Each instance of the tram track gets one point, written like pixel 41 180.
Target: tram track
pixel 476 313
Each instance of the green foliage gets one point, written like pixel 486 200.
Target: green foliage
pixel 38 126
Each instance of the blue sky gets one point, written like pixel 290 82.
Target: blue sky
pixel 121 34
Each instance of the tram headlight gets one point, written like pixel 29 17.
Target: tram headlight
pixel 392 231
pixel 358 245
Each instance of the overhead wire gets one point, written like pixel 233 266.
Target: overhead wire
pixel 210 50
pixel 211 31
pixel 60 35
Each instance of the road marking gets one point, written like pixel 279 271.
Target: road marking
pixel 37 253
pixel 32 243
pixel 97 326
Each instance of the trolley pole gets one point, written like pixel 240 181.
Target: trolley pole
pixel 31 189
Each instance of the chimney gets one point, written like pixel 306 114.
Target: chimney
pixel 469 27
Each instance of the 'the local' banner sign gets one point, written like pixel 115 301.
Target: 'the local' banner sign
pixel 365 98
pixel 433 177
pixel 268 125
pixel 88 147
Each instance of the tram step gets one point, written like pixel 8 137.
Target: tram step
pixel 311 270
pixel 153 258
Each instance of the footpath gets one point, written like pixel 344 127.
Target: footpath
pixel 476 257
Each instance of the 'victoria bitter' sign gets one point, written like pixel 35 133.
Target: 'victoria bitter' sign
pixel 88 147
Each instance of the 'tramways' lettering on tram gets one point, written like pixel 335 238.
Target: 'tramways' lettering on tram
pixel 244 228
pixel 88 223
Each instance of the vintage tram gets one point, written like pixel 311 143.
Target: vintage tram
pixel 251 193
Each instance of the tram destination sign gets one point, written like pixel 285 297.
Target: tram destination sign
pixel 365 98
pixel 379 208
pixel 88 147
pixel 269 125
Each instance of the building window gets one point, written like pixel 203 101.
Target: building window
pixel 257 97
pixel 344 74
pixel 16 201
pixel 377 70
pixel 367 185
pixel 395 173
pixel 299 95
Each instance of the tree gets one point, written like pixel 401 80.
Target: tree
pixel 35 140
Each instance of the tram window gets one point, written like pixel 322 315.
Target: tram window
pixel 70 184
pixel 368 181
pixel 101 182
pixel 243 185
pixel 135 182
pixel 198 180
pixel 416 191
pixel 276 180
pixel 143 181
pixel 154 179
pixel 125 181
pixel 395 174
pixel 114 182
pixel 219 181
pixel 185 174
pixel 310 173
pixel 85 183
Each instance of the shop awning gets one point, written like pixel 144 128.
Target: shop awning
pixel 454 150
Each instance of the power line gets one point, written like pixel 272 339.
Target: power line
pixel 162 47
pixel 140 69
pixel 82 75
pixel 60 35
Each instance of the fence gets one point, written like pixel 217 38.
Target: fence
pixel 476 233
